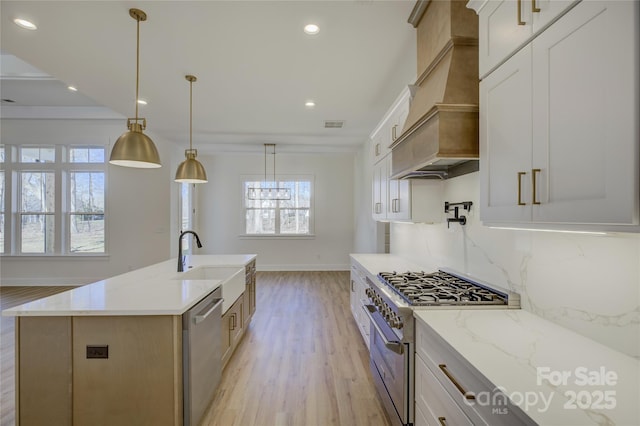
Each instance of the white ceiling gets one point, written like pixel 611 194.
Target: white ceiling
pixel 255 66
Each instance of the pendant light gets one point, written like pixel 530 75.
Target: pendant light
pixel 133 148
pixel 191 170
pixel 269 190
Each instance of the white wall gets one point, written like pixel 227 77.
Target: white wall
pixel 222 219
pixel 138 207
pixel 587 283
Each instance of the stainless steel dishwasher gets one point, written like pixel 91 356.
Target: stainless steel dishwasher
pixel 202 351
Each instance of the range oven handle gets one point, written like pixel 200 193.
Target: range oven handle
pixel 392 345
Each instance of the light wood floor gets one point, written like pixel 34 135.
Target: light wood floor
pixel 302 361
pixel 13 296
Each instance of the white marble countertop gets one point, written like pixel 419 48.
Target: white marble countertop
pixel 523 353
pixel 153 290
pixel 376 263
pixel 532 358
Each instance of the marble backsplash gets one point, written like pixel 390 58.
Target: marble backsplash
pixel 587 283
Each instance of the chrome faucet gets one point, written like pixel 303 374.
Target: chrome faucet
pixel 180 257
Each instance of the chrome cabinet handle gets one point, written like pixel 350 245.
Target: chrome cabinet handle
pixel 533 184
pixel 394 136
pixel 443 421
pixel 233 321
pixel 520 174
pixel 199 318
pixel 377 149
pixel 534 8
pixel 520 21
pixel 378 208
pixel 458 386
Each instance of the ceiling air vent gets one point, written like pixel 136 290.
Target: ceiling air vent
pixel 333 124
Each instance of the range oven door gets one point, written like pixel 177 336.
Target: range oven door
pixel 390 364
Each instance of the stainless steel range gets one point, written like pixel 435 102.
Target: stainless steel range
pixel 392 298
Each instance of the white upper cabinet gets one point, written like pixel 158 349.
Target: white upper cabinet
pixel 505 141
pixel 506 25
pixel 398 199
pixel 380 190
pixel 390 128
pixel 558 124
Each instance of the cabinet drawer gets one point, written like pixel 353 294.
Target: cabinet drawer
pixel 434 402
pixel 476 395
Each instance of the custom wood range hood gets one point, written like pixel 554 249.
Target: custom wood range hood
pixel 440 136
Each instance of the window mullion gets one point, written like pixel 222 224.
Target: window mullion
pixel 60 209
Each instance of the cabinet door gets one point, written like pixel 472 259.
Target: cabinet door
pixel 433 400
pixel 226 336
pixel 398 119
pixel 584 104
pixel 500 32
pixel 544 11
pixel 505 141
pixel 353 299
pixel 237 323
pixel 379 208
pixel 399 199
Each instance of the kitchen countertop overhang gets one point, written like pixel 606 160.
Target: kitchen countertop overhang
pixel 153 290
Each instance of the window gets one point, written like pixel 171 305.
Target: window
pixel 2 191
pixel 280 217
pixel 37 212
pixel 59 200
pixel 186 213
pixel 86 183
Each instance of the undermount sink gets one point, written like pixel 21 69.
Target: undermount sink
pixel 232 277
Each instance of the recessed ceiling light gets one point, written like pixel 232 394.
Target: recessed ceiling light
pixel 309 104
pixel 72 88
pixel 311 29
pixel 142 102
pixel 28 25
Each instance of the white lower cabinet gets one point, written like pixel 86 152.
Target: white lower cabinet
pixel 450 391
pixel 357 299
pixel 433 401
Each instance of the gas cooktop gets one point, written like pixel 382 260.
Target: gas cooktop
pixel 442 288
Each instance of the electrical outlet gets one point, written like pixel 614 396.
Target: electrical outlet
pixel 97 351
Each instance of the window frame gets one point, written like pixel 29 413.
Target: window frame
pixel 277 234
pixel 61 168
pixel 191 190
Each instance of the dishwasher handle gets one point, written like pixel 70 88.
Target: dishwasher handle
pixel 198 318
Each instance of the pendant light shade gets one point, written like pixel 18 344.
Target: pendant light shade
pixel 133 148
pixel 191 170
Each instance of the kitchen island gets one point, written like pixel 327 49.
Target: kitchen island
pixel 111 352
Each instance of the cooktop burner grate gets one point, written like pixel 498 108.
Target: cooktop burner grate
pixel 440 288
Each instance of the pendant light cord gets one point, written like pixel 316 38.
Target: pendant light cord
pixel 137 63
pixel 190 114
